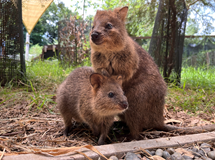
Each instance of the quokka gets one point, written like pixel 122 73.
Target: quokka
pixel 91 98
pixel 113 51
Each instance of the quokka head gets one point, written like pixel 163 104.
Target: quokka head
pixel 108 31
pixel 108 96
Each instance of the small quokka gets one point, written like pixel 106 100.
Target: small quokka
pixel 91 98
pixel 113 51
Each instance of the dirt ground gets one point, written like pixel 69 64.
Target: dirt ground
pixel 22 127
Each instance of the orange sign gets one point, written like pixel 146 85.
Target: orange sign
pixel 32 10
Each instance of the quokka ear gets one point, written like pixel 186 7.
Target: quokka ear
pixel 122 13
pixel 119 79
pixel 96 80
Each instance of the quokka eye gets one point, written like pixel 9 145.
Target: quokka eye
pixel 92 27
pixel 108 26
pixel 111 95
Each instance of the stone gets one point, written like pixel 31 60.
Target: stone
pixel 171 150
pixel 159 152
pixel 206 158
pixel 196 154
pixel 205 145
pixel 113 158
pixel 211 155
pixel 194 149
pixel 201 152
pixel 149 152
pixel 166 154
pixel 206 150
pixel 153 153
pixel 177 156
pixel 187 157
pixel 131 156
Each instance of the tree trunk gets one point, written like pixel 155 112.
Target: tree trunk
pixel 166 46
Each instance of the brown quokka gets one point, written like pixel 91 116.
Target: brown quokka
pixel 113 51
pixel 91 98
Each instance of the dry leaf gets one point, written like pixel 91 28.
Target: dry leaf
pixel 58 151
pixel 2 154
pixel 94 150
pixel 194 122
pixel 156 158
pixel 172 121
pixel 84 155
pixel 184 152
pixel 141 149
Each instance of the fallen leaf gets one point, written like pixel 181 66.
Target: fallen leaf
pixel 184 152
pixel 156 158
pixel 194 122
pixel 2 154
pixel 172 121
pixel 58 151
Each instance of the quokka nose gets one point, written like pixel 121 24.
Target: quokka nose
pixel 95 35
pixel 124 104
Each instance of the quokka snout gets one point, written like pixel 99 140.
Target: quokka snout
pixel 91 98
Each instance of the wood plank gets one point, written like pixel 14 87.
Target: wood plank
pixel 120 148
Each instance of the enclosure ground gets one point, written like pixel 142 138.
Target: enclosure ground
pixel 24 125
pixel 120 149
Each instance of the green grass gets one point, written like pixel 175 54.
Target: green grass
pixel 199 77
pixel 47 73
pixel 36 49
pixel 43 78
pixel 196 93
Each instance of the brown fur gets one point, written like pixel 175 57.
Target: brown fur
pixel 115 52
pixel 84 97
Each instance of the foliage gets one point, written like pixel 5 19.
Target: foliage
pixel 35 50
pixel 141 15
pixel 46 30
pixel 50 18
pixel 192 26
pixel 36 36
pixel 200 17
pixel 72 41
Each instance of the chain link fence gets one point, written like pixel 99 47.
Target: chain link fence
pixel 199 51
pixel 12 65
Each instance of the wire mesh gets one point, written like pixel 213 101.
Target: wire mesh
pixel 199 51
pixel 167 41
pixel 12 65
